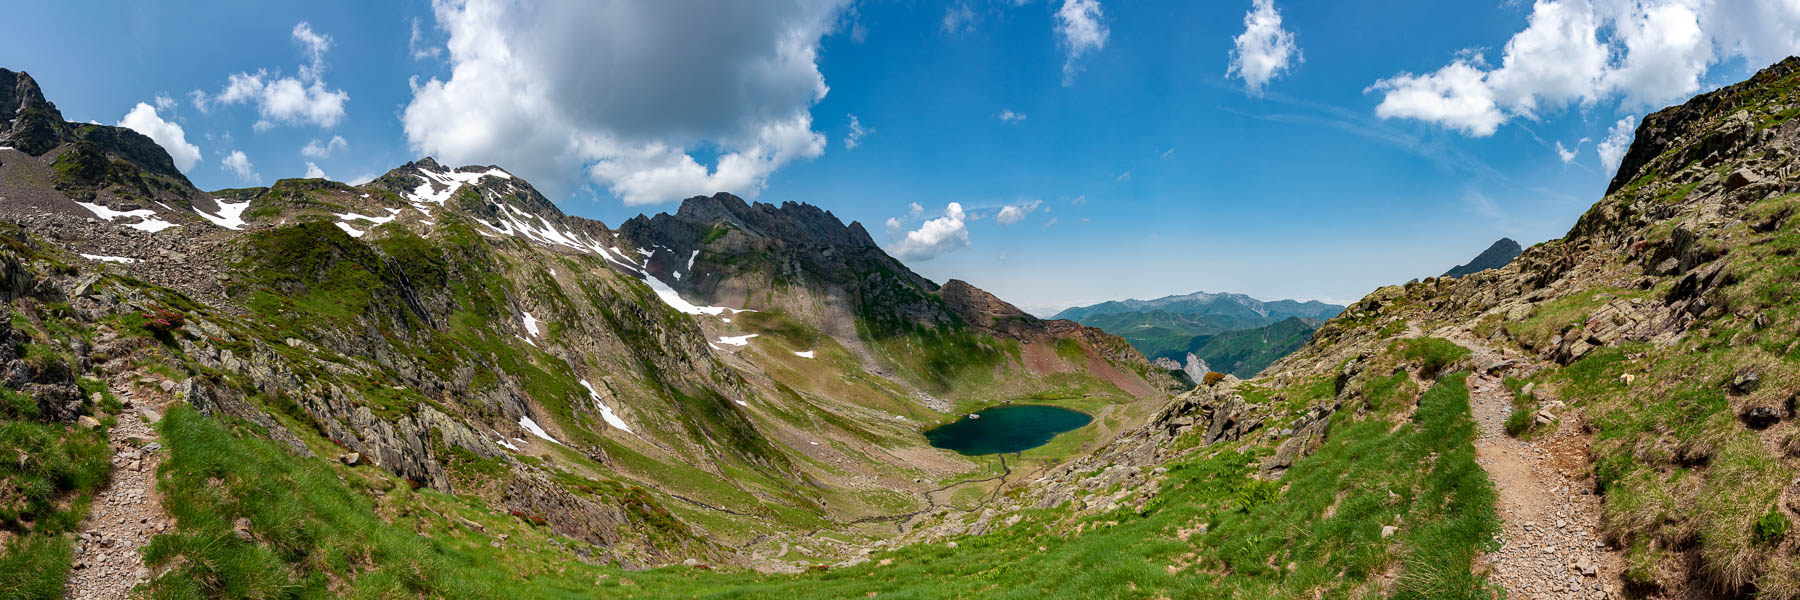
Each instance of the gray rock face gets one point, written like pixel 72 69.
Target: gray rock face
pixel 1746 381
pixel 216 402
pixel 1195 368
pixel 535 496
pixel 49 380
pixel 1308 433
pixel 28 122
pixel 1231 421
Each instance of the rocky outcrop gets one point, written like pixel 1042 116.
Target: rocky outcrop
pixel 1230 421
pixel 1195 368
pixel 534 496
pixel 222 402
pixel 1305 436
pixel 28 122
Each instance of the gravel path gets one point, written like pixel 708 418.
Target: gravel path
pixel 125 514
pixel 1550 516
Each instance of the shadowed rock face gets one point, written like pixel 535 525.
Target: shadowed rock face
pixel 1496 256
pixel 28 122
pixel 787 242
pixel 1679 127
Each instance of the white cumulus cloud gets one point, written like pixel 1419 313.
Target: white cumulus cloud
pixel 735 78
pixel 314 172
pixel 1618 140
pixel 143 119
pixel 238 164
pixel 1641 53
pixel 317 149
pixel 1264 50
pixel 1081 28
pixel 305 99
pixel 1009 117
pixel 1456 96
pixel 1013 213
pixel 935 237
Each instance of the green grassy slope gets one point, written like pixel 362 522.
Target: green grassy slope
pixel 1212 530
pixel 1245 353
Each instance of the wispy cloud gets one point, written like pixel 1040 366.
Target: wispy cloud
pixel 958 19
pixel 855 136
pixel 1081 27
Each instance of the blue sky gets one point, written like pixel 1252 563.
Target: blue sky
pixel 1357 145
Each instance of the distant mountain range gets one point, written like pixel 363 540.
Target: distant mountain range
pixel 1202 303
pixel 1230 333
pixel 1496 256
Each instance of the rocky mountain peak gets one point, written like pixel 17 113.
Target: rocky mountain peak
pixel 791 220
pixel 487 192
pixel 27 121
pixel 19 93
pixel 1495 256
pixel 980 307
pixel 428 163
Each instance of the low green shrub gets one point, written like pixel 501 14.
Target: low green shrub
pixel 1433 354
pixel 1520 421
pixel 1771 528
pixel 1257 492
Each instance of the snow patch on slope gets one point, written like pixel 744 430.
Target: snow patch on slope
pixel 737 340
pixel 231 216
pixel 532 427
pixel 606 412
pixel 147 220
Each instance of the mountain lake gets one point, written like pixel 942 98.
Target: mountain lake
pixel 1005 429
